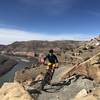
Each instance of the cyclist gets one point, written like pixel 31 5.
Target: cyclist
pixel 53 63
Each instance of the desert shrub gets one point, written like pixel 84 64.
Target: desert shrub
pixel 73 54
pixel 86 58
pixel 91 47
pixel 85 48
pixel 80 51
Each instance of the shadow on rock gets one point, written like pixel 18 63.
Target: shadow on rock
pixel 34 93
pixel 55 87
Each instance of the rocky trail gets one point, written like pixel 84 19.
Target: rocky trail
pixel 63 90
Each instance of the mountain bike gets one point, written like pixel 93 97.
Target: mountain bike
pixel 48 76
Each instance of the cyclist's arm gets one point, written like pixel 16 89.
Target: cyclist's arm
pixel 56 62
pixel 45 58
pixel 56 59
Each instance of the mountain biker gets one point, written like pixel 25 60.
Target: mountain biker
pixel 53 61
pixel 52 64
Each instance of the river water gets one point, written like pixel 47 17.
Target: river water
pixel 9 76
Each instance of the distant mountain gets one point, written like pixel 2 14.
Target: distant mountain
pixel 2 47
pixel 39 46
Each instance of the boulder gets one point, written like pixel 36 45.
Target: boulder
pixel 90 68
pixel 94 95
pixel 82 93
pixel 90 97
pixel 26 74
pixel 14 91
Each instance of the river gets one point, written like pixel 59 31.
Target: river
pixel 9 76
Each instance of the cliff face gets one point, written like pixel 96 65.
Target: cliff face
pixel 6 64
pixel 89 68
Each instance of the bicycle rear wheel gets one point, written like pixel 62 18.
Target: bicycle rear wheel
pixel 46 79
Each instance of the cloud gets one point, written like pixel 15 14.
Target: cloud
pixel 8 36
pixel 51 7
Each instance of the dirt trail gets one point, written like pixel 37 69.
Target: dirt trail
pixel 64 91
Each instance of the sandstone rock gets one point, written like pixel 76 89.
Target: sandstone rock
pixel 23 75
pixel 82 95
pixel 94 42
pixel 90 97
pixel 89 68
pixel 28 82
pixel 96 93
pixel 29 54
pixel 39 77
pixel 13 91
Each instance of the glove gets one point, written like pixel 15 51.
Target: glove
pixel 57 65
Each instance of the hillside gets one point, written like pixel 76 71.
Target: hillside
pixel 81 82
pixel 39 46
pixel 89 48
pixel 78 75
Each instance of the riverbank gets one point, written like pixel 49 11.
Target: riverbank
pixel 6 64
pixel 22 62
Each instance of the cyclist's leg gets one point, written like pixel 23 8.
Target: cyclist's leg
pixel 43 84
pixel 45 80
pixel 52 73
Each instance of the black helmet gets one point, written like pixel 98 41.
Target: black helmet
pixel 51 51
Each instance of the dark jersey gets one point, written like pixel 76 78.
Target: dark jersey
pixel 52 58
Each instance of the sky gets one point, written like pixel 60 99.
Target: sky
pixel 22 20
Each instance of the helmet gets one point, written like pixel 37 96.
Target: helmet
pixel 51 51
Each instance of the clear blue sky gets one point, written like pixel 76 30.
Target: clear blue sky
pixel 57 19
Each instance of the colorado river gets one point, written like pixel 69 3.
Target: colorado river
pixel 9 76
